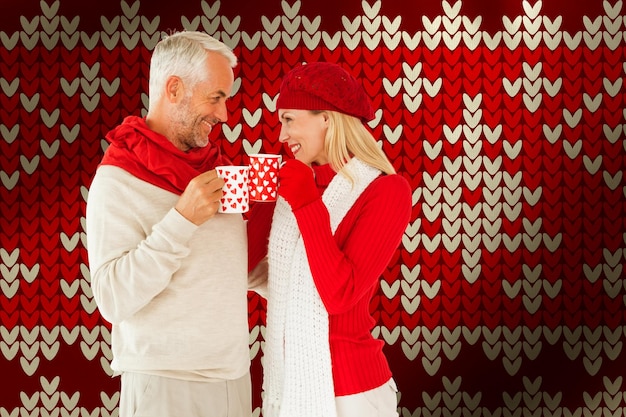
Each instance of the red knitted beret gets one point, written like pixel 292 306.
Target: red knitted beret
pixel 324 86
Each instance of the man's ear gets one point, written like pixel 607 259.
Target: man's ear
pixel 174 89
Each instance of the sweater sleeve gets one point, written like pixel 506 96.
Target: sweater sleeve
pixel 130 265
pixel 258 228
pixel 370 232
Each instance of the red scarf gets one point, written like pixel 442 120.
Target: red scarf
pixel 151 157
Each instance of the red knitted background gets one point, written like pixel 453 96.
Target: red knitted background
pixel 506 296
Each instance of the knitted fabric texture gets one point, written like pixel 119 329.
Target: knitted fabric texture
pixel 298 378
pixel 324 86
pixel 152 157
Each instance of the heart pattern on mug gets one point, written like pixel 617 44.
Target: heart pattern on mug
pixel 263 178
pixel 236 194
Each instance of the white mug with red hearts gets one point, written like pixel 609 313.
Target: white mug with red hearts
pixel 236 198
pixel 263 178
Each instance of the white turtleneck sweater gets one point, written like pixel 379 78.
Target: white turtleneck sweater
pixel 174 292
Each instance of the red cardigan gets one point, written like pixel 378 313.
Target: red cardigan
pixel 346 269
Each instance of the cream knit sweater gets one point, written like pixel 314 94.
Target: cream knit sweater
pixel 174 292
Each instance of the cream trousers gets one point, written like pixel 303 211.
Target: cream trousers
pixel 377 402
pixel 145 395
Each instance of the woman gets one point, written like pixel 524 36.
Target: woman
pixel 339 218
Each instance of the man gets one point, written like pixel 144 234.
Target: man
pixel 168 271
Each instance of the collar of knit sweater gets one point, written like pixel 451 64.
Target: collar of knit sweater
pixel 323 174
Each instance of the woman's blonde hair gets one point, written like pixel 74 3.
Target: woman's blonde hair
pixel 346 137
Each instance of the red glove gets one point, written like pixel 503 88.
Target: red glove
pixel 296 184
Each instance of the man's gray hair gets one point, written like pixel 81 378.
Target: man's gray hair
pixel 183 54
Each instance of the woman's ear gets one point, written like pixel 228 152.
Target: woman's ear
pixel 325 119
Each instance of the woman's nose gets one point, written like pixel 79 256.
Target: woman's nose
pixel 282 136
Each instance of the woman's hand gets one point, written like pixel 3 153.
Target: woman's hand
pixel 296 184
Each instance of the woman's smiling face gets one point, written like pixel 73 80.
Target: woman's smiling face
pixel 303 133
